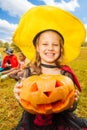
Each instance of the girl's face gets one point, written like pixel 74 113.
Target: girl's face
pixel 48 47
pixel 21 57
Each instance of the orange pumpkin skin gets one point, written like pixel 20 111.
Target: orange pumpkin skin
pixel 46 94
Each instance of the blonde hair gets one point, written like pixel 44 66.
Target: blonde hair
pixel 36 67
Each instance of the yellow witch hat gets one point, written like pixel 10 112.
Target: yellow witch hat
pixel 42 18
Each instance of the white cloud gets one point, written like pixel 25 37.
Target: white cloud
pixel 18 7
pixel 85 25
pixel 15 7
pixel 70 6
pixel 6 30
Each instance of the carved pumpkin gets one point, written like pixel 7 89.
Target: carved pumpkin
pixel 47 94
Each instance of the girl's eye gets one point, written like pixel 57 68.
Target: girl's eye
pixel 44 44
pixel 56 44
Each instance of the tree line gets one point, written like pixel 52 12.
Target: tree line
pixel 6 45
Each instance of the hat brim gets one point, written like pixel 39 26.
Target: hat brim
pixel 41 18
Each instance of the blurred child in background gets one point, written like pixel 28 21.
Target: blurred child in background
pixel 17 72
pixel 10 60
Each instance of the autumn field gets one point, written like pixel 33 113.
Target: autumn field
pixel 10 110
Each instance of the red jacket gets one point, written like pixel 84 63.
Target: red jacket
pixel 13 61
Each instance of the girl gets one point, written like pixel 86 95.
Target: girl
pixel 50 54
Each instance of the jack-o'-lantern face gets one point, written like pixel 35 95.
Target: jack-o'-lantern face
pixel 47 94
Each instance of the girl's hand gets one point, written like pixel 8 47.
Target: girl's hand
pixel 17 90
pixel 76 95
pixel 74 106
pixel 7 65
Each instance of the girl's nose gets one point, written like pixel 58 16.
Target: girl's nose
pixel 50 47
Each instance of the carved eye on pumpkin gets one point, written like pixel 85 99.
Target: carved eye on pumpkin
pixel 34 88
pixel 47 94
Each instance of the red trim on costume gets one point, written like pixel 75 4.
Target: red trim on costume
pixel 68 69
pixel 43 120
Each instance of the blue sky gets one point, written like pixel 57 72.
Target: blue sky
pixel 12 10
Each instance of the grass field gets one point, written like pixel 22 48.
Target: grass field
pixel 10 110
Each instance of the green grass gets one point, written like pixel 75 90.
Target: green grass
pixel 80 68
pixel 10 110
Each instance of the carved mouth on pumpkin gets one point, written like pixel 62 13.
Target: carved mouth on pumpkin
pixel 46 107
pixel 43 107
pixel 55 106
pixel 50 105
